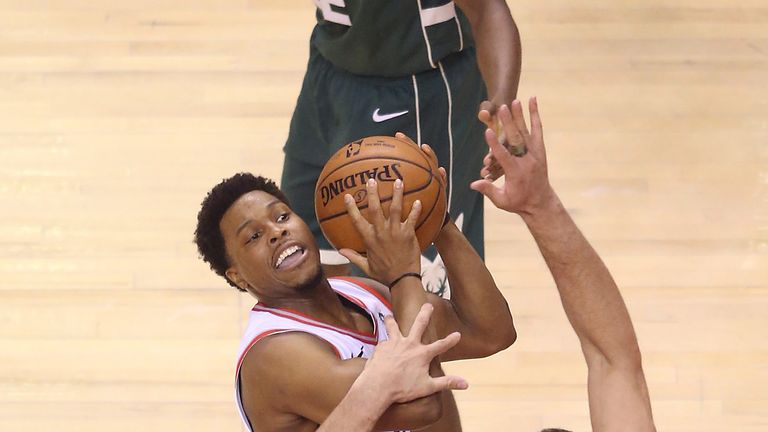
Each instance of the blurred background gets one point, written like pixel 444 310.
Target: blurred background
pixel 117 117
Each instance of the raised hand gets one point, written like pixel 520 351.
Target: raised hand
pixel 526 184
pixel 391 245
pixel 400 365
pixel 489 115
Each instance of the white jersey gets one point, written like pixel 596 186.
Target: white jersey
pixel 265 321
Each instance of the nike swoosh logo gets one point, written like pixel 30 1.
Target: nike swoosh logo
pixel 378 118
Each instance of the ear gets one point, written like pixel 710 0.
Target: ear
pixel 233 275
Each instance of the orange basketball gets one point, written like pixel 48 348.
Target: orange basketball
pixel 385 159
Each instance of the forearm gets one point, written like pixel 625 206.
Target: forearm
pixel 348 417
pixel 408 296
pixel 477 301
pixel 498 50
pixel 589 294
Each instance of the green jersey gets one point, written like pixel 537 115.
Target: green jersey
pixel 389 38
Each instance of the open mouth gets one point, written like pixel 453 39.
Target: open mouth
pixel 290 257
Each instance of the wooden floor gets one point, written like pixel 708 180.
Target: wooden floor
pixel 117 116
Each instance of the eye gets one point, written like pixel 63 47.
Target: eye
pixel 255 236
pixel 283 217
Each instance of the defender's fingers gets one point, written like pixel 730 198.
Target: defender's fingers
pixel 413 215
pixel 519 119
pixel 421 322
pixel 375 215
pixel 361 225
pixel 514 139
pixel 488 159
pixel 442 345
pixel 396 206
pixel 486 187
pixel 503 157
pixel 537 130
pixel 449 382
pixel 393 331
pixel 492 172
pixel 485 172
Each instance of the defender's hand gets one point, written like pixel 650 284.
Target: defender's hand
pixel 391 246
pixel 526 184
pixel 488 114
pixel 400 365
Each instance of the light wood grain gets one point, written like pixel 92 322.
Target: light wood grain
pixel 118 116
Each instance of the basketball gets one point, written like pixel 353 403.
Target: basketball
pixel 385 159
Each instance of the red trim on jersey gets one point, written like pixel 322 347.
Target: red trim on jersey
pixel 370 339
pixel 366 287
pixel 257 338
pixel 271 332
pixel 362 306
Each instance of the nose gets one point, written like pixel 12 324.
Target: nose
pixel 277 234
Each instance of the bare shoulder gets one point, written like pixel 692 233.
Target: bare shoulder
pixel 281 388
pixel 276 357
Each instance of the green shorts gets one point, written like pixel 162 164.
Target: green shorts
pixel 336 107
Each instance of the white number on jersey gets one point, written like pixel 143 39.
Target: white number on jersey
pixel 331 15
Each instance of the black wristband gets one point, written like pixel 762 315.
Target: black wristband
pixel 402 276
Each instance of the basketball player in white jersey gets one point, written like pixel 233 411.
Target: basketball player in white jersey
pixel 308 336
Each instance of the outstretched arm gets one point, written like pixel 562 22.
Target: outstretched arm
pixel 618 394
pixel 397 372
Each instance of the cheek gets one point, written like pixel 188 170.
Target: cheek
pixel 253 262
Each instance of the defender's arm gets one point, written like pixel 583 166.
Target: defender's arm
pixel 618 394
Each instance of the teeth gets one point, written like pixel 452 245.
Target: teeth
pixel 286 253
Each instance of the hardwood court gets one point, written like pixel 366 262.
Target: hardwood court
pixel 117 117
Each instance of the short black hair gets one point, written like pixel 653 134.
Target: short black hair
pixel 208 236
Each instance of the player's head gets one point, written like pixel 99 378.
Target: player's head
pixel 248 234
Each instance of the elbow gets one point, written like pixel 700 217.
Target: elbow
pixel 504 335
pixel 499 340
pixel 510 337
pixel 505 339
